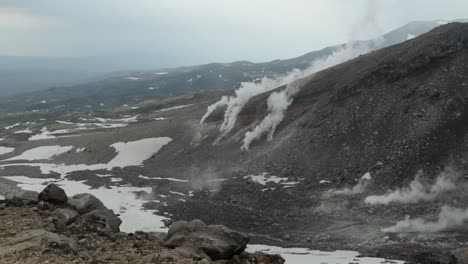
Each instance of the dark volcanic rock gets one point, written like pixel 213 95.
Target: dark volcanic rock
pixel 85 203
pixel 65 216
pixel 103 221
pixel 54 194
pixel 218 242
pixel 34 239
pixel 413 253
pixel 258 257
pixel 459 256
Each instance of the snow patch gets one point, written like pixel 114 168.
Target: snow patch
pixel 122 200
pixel 134 153
pixel 5 150
pixel 42 153
pixel 12 126
pixel 25 131
pixel 45 134
pixel 178 193
pixel 79 150
pixel 161 179
pixel 128 154
pixel 174 107
pixel 265 178
pixel 306 256
pixel 111 120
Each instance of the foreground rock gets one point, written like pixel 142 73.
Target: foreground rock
pixel 103 221
pixel 65 216
pixel 54 194
pixel 459 256
pixel 38 239
pixel 83 230
pixel 218 242
pixel 85 203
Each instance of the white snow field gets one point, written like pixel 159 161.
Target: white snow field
pixel 132 153
pixel 264 178
pixel 25 131
pixel 41 153
pixel 121 199
pixel 5 150
pixel 173 108
pixel 91 123
pixel 306 256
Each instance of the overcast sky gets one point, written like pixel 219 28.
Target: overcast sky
pixel 184 32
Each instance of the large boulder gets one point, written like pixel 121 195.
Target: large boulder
pixel 259 258
pixel 103 221
pixel 85 203
pixel 38 239
pixel 54 194
pixel 65 216
pixel 459 256
pixel 217 241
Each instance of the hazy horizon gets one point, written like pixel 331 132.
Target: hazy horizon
pixel 177 33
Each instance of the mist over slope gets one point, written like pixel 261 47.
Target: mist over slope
pixel 384 106
pixel 362 142
pixel 389 113
pixel 97 85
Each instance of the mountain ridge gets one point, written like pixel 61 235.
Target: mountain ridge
pixel 132 86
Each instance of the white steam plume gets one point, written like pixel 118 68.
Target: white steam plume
pixel 418 191
pixel 365 25
pixel 276 112
pixel 246 91
pixel 449 219
pixel 278 102
pixel 360 187
pixel 211 108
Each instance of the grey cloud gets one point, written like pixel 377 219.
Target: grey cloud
pixel 192 32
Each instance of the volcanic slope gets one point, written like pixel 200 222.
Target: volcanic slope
pixel 352 132
pixel 391 113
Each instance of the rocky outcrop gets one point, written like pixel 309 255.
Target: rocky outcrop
pixel 65 216
pixel 54 194
pixel 85 203
pixel 82 212
pixel 103 221
pixel 38 239
pixel 83 230
pixel 459 256
pixel 218 242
